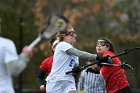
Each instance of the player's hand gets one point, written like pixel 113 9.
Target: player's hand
pixel 106 59
pixel 76 70
pixel 28 51
pixel 42 89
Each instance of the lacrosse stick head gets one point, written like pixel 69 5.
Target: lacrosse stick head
pixel 56 22
pixel 126 66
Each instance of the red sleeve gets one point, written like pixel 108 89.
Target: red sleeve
pixel 46 65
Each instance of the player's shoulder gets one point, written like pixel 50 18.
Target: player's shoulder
pixel 63 44
pixel 6 41
pixel 108 53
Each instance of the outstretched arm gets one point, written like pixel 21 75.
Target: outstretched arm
pixel 81 54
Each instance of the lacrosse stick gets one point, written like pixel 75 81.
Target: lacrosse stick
pixel 126 51
pixel 78 69
pixel 124 65
pixel 56 22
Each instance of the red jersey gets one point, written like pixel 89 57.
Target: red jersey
pixel 114 76
pixel 46 65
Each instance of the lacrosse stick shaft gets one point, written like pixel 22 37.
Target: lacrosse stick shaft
pixel 125 52
pixel 81 68
pixel 35 42
pixel 117 55
pixel 108 64
pixel 69 72
pixel 88 65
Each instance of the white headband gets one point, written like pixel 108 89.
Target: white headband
pixel 55 43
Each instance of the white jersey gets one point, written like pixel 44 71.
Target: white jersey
pixel 62 63
pixel 8 53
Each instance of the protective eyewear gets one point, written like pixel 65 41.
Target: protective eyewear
pixel 101 42
pixel 72 33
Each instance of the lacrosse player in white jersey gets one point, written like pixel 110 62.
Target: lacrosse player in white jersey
pixel 65 59
pixel 11 64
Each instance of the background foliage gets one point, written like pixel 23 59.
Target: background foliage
pixel 118 20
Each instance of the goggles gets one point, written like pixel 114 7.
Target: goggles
pixel 102 43
pixel 71 33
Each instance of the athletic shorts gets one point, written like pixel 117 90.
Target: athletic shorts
pixel 60 87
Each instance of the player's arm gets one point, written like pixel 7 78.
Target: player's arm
pixel 40 77
pixel 17 66
pixel 81 54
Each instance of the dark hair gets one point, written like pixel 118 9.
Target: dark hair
pixel 108 44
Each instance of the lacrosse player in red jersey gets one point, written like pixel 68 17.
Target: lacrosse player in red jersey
pixel 115 78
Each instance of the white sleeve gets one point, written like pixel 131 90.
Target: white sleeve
pixel 64 46
pixel 10 52
pixel 15 64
